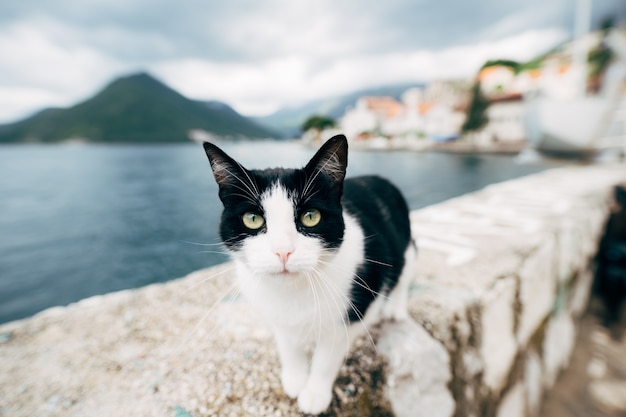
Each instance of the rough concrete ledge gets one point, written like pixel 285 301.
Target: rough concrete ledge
pixel 502 276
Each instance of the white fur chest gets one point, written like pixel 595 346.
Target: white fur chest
pixel 310 300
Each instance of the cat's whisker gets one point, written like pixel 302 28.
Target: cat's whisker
pixel 218 252
pixel 223 250
pixel 202 244
pixel 309 182
pixel 306 198
pixel 209 278
pixel 320 279
pixel 341 312
pixel 374 261
pixel 368 237
pixel 331 160
pixel 252 182
pixel 252 191
pixel 312 277
pixel 316 314
pixel 219 299
pixel 359 281
pixel 249 198
pixel 234 238
pixel 310 284
pixel 246 194
pixel 307 185
pixel 351 306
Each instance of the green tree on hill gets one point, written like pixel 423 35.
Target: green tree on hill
pixel 477 111
pixel 514 65
pixel 601 56
pixel 317 122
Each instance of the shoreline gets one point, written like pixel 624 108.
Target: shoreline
pixel 456 147
pixel 513 148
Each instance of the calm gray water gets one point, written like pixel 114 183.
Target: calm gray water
pixel 80 220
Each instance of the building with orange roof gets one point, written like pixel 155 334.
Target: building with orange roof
pixel 412 117
pixel 496 80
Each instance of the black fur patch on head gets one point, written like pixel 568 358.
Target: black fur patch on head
pixel 317 186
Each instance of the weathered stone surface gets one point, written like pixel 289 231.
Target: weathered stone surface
pixel 418 371
pixel 610 395
pixel 540 231
pixel 532 382
pixel 537 289
pixel 560 334
pixel 513 404
pixel 499 346
pixel 580 292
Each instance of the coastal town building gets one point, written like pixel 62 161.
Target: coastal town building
pixel 505 116
pixel 433 113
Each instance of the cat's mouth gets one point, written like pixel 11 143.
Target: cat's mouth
pixel 290 270
pixel 287 272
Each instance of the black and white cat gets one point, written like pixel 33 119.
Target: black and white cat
pixel 321 258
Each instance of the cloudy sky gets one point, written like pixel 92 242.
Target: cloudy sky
pixel 260 55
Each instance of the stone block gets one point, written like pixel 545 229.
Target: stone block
pixel 533 376
pixel 498 346
pixel 580 292
pixel 570 241
pixel 537 289
pixel 418 371
pixel 513 404
pixel 558 344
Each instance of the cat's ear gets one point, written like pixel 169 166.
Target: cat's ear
pixel 331 159
pixel 225 169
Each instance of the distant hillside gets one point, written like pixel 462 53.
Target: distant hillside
pixel 288 120
pixel 136 108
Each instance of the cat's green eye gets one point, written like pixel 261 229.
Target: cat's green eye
pixel 311 218
pixel 252 220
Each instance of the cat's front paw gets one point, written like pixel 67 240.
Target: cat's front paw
pixel 314 398
pixel 293 381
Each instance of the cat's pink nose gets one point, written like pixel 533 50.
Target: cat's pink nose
pixel 284 255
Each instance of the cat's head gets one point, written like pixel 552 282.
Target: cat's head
pixel 280 221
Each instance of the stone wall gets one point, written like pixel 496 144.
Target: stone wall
pixel 502 276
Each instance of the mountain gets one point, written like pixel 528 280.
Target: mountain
pixel 135 108
pixel 289 120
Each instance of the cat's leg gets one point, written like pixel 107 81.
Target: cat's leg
pixel 293 360
pixel 328 357
pixel 396 304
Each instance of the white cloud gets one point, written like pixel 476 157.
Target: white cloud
pixel 48 67
pixel 21 101
pixel 268 85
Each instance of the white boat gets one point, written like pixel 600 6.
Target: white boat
pixel 568 127
pixel 574 125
